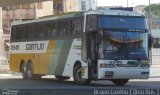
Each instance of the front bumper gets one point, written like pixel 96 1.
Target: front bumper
pixel 123 73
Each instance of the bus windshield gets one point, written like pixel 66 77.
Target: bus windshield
pixel 124 45
pixel 124 37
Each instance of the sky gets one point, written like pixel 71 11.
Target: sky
pixel 131 3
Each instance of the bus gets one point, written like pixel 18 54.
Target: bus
pixel 93 45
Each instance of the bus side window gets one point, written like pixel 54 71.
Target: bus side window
pixel 67 27
pixel 77 25
pixel 29 32
pixel 20 32
pixel 64 28
pixel 51 29
pixel 16 33
pixel 13 30
pixel 39 31
pixel 91 23
pixel 60 28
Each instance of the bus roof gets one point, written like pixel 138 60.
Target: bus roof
pixel 79 14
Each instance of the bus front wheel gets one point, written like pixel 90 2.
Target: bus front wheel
pixel 77 75
pixel 120 82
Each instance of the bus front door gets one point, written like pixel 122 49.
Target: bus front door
pixel 92 49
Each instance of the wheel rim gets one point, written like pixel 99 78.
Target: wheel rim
pixel 79 74
pixel 29 73
pixel 24 71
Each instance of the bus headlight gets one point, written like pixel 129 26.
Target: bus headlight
pixel 144 66
pixel 107 66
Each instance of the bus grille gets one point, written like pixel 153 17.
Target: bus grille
pixel 127 65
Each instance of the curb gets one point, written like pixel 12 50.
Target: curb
pixel 6 75
pixel 156 66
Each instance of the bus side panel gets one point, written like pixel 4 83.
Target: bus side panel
pixel 53 61
pixel 44 59
pixel 59 56
pixel 36 63
pixel 17 54
pixel 27 51
pixel 74 55
pixel 63 56
pixel 55 57
pixel 15 60
pixel 40 59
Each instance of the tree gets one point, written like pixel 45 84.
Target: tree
pixel 155 11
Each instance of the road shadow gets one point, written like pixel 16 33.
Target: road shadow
pixel 52 83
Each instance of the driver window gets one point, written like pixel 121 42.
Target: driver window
pixel 91 23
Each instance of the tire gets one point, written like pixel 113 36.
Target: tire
pixel 29 71
pixel 24 71
pixel 120 82
pixel 30 74
pixel 77 75
pixel 61 77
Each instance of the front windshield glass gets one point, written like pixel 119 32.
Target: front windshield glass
pixel 124 45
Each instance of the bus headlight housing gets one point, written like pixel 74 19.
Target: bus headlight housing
pixel 144 66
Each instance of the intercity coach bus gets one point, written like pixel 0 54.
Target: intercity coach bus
pixel 94 45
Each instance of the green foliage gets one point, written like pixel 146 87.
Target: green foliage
pixel 155 10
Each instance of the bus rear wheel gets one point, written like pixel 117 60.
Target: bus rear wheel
pixel 30 74
pixel 24 71
pixel 120 82
pixel 77 75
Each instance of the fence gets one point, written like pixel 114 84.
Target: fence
pixel 156 56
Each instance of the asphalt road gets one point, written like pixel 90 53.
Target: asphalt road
pixel 14 85
pixel 50 86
